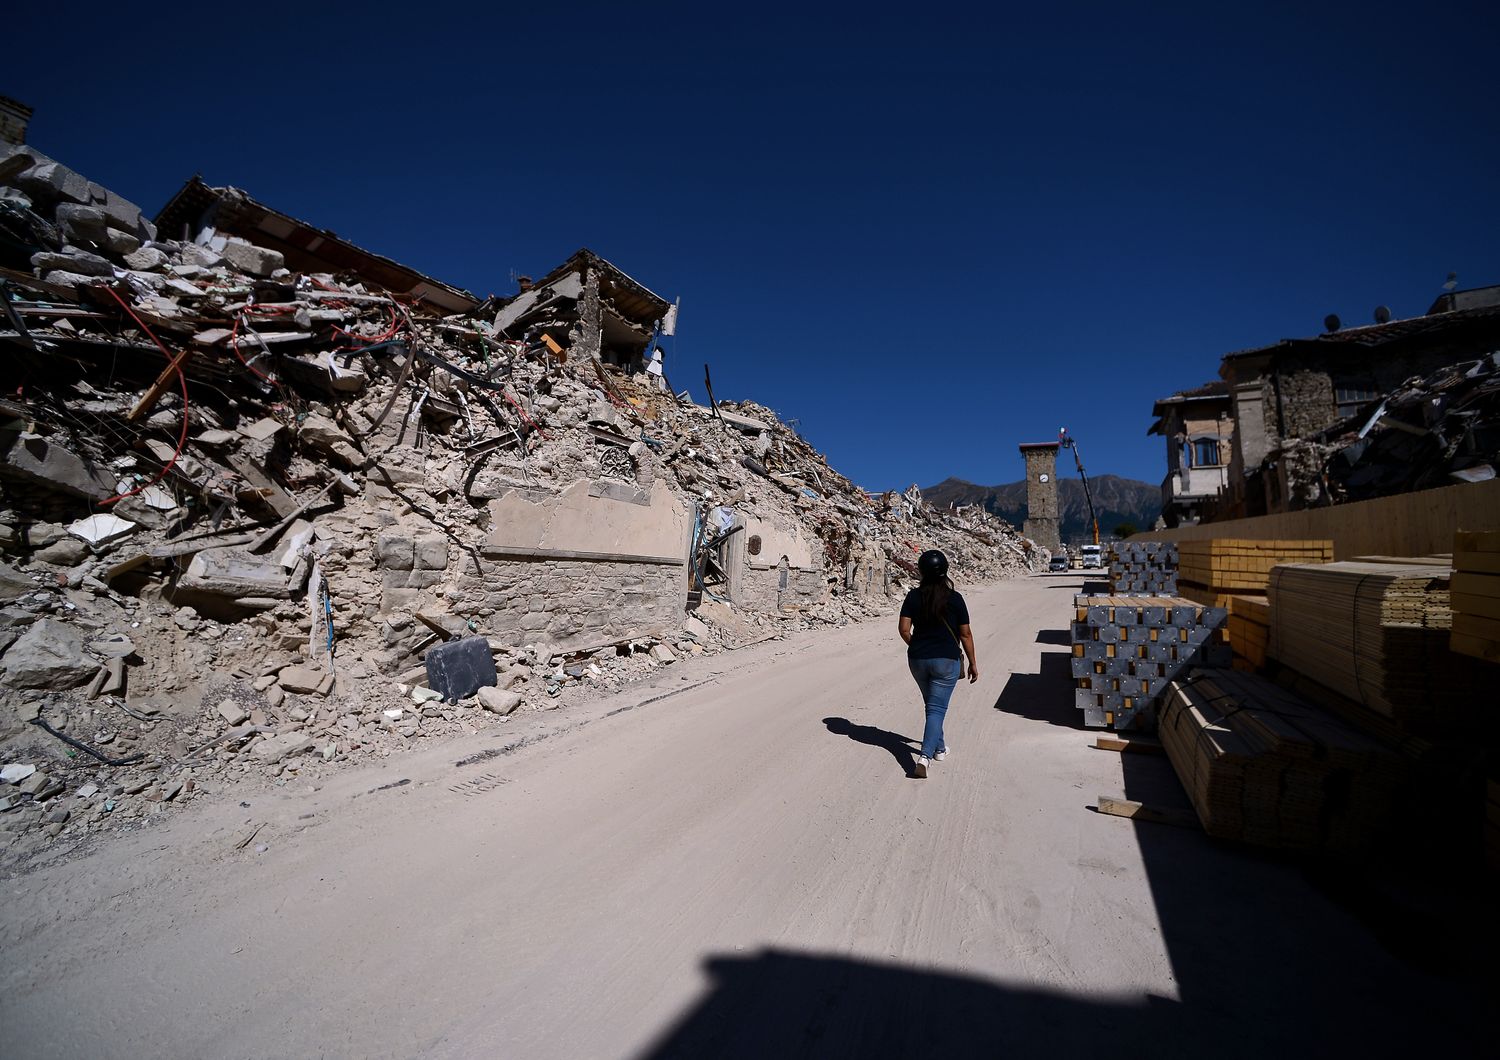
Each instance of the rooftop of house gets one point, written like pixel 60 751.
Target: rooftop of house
pixel 306 247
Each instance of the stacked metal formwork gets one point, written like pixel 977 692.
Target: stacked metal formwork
pixel 1127 649
pixel 1143 567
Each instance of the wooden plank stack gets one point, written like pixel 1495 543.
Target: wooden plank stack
pixel 1220 567
pixel 1476 594
pixel 1264 767
pixel 1127 648
pixel 1145 568
pixel 1377 633
pixel 1249 631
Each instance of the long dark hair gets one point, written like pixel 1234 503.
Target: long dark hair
pixel 935 593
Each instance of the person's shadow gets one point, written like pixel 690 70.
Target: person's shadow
pixel 899 746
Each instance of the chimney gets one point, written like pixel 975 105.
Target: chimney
pixel 525 283
pixel 14 117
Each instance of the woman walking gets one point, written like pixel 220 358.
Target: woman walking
pixel 935 626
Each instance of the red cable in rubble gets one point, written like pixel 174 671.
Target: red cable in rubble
pixel 181 378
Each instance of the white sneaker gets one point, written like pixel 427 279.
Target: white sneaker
pixel 941 755
pixel 920 769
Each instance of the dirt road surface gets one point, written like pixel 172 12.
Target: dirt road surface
pixel 728 862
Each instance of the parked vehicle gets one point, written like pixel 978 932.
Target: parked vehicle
pixel 1059 562
pixel 1093 557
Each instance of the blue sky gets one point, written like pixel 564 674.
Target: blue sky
pixel 926 235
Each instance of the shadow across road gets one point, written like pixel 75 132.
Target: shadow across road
pixel 1043 696
pixel 899 746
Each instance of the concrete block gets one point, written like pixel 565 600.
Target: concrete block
pixel 81 224
pixel 459 668
pixel 52 181
pixel 120 212
pixel 73 260
pixel 247 257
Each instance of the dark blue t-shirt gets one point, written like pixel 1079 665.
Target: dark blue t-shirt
pixel 932 640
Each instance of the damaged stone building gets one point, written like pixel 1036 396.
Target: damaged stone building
pixel 255 478
pixel 1350 414
pixel 1198 426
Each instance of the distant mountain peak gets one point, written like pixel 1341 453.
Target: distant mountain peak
pixel 1117 500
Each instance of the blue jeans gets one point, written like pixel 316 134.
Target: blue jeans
pixel 936 678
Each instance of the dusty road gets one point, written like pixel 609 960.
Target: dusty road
pixel 739 868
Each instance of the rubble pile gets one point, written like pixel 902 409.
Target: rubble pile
pixel 238 503
pixel 1431 431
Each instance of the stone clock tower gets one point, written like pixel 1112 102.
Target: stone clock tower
pixel 1041 494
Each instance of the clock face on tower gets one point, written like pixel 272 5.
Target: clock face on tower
pixel 1042 477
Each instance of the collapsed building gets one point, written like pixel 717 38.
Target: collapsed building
pixel 1352 414
pixel 252 474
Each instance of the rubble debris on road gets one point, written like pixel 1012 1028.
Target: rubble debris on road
pixel 252 475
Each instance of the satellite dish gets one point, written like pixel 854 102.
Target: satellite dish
pixel 1382 314
pixel 1331 323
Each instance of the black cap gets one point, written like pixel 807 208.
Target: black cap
pixel 932 564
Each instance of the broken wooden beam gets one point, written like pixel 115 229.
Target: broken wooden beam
pixel 1139 811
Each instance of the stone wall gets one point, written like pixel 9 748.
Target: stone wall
pixel 573 603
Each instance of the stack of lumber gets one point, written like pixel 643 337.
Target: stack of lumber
pixel 1210 571
pixel 1264 767
pixel 1127 648
pixel 1249 631
pixel 1377 633
pixel 1146 568
pixel 1476 594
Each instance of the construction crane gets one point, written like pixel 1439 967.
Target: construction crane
pixel 1066 442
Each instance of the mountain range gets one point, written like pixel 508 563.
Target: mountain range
pixel 1116 500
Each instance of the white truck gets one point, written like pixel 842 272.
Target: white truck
pixel 1093 556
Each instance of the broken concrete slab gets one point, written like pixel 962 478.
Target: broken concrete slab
pixel 112 646
pixel 65 553
pixel 234 572
pixel 16 772
pixel 274 748
pixel 75 260
pixel 232 713
pixel 247 257
pixel 259 430
pixel 662 653
pixel 39 460
pixel 48 655
pixel 101 529
pixel 301 679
